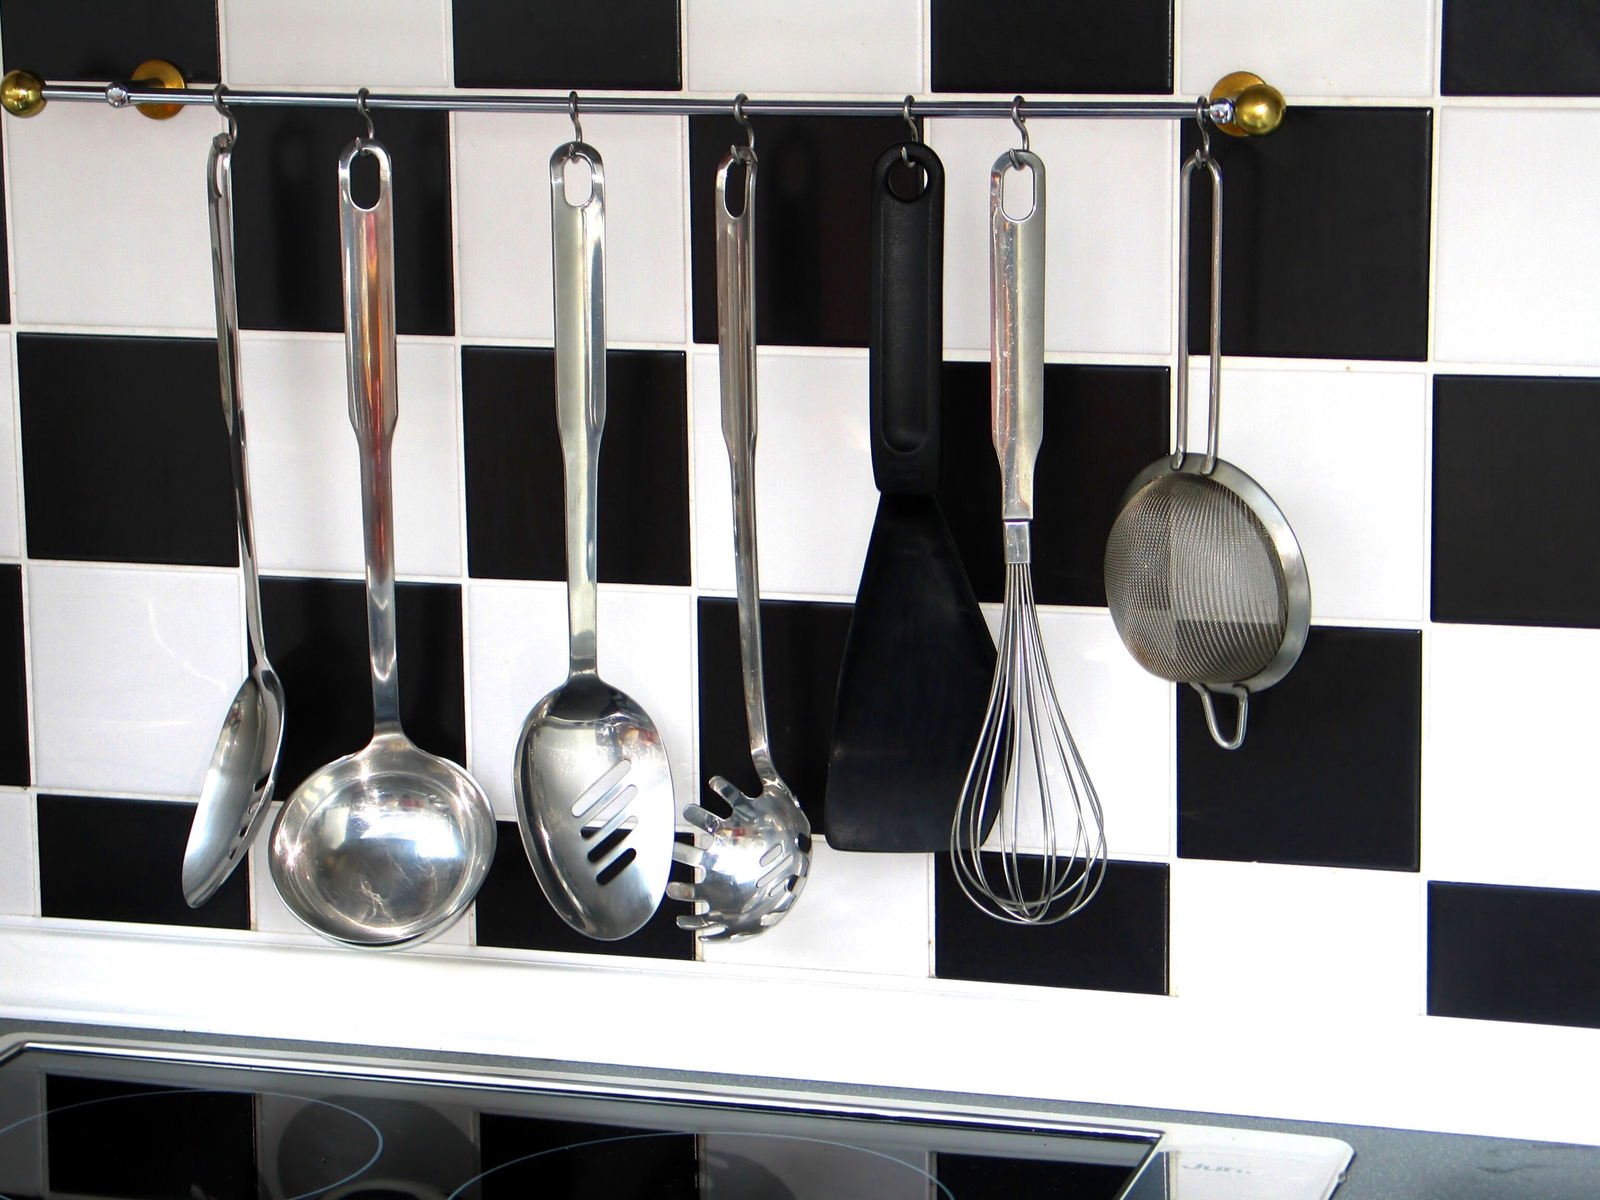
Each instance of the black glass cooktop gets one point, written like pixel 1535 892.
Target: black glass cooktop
pixel 81 1124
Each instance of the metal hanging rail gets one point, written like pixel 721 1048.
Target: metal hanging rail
pixel 1241 103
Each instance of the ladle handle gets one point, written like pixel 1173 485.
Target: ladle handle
pixel 1016 340
pixel 578 238
pixel 736 343
pixel 906 338
pixel 219 197
pixel 367 239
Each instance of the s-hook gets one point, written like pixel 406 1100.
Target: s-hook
pixel 361 107
pixel 744 122
pixel 1202 117
pixel 916 134
pixel 221 106
pixel 572 112
pixel 1022 128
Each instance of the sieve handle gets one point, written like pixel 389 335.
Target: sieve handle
pixel 1016 333
pixel 1207 701
pixel 1214 376
pixel 906 339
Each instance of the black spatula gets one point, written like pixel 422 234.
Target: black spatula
pixel 919 659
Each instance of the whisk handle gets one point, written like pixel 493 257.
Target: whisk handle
pixel 1016 332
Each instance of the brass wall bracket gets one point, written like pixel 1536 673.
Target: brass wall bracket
pixel 1257 105
pixel 22 92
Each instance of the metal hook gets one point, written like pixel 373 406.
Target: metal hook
pixel 222 107
pixel 1202 115
pixel 1022 128
pixel 916 134
pixel 744 121
pixel 572 111
pixel 361 107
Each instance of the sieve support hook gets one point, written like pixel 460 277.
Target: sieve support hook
pixel 1208 702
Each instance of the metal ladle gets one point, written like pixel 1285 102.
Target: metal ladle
pixel 244 766
pixel 387 846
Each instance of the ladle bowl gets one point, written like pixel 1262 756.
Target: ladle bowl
pixel 384 847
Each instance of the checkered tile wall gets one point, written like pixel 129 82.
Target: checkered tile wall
pixel 1413 337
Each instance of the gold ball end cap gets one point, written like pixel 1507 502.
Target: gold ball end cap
pixel 1258 107
pixel 22 93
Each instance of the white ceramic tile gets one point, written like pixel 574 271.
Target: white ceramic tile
pixel 1120 717
pixel 10 482
pixel 133 671
pixel 1508 763
pixel 518 652
pixel 1108 231
pixel 1343 455
pixel 305 474
pixel 1310 47
pixel 1518 246
pixel 503 223
pixel 815 499
pixel 859 912
pixel 19 869
pixel 1297 939
pixel 803 46
pixel 108 218
pixel 379 44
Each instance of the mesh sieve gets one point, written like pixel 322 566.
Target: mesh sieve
pixel 1194 582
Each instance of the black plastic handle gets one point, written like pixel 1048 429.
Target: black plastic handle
pixel 907 335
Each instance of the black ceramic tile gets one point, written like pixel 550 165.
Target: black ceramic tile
pixel 618 1162
pixel 101 40
pixel 972 1177
pixel 5 268
pixel 102 1139
pixel 1329 773
pixel 121 860
pixel 1102 426
pixel 1532 48
pixel 1045 46
pixel 515 506
pixel 1513 492
pixel 512 911
pixel 124 450
pixel 317 631
pixel 813 199
pixel 1325 236
pixel 1514 954
pixel 630 44
pixel 802 647
pixel 286 216
pixel 1118 943
pixel 14 760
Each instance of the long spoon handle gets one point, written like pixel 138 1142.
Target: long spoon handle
pixel 578 240
pixel 367 237
pixel 219 195
pixel 736 340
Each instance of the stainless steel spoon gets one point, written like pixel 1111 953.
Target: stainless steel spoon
pixel 387 846
pixel 234 799
pixel 751 865
pixel 593 784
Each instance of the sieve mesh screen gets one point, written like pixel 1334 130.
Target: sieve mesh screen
pixel 1194 582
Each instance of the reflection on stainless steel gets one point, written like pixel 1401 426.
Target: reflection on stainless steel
pixel 235 796
pixel 751 865
pixel 387 846
pixel 593 784
pixel 438 1129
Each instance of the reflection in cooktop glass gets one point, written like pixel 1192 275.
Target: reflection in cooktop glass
pixel 100 1125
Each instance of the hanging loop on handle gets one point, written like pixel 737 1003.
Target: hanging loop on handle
pixel 1207 702
pixel 1200 158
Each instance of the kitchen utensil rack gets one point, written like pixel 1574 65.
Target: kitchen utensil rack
pixel 1241 104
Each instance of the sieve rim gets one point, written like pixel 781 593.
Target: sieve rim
pixel 1291 560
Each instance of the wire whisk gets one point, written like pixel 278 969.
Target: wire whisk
pixel 1048 855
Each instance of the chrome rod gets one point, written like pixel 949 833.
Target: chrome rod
pixel 122 95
